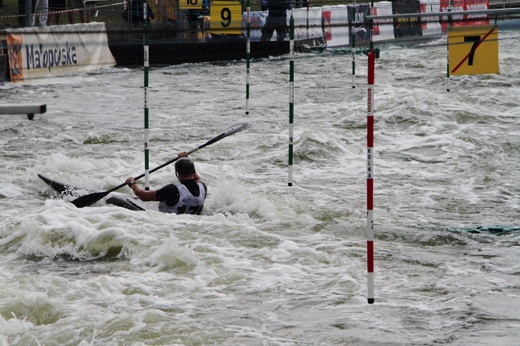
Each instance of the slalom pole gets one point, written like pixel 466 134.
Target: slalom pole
pixel 448 77
pixel 291 95
pixel 308 14
pixel 447 67
pixel 370 177
pixel 354 48
pixel 248 51
pixel 146 67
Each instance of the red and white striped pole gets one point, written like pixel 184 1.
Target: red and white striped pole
pixel 370 177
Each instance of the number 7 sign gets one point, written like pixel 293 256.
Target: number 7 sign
pixel 473 50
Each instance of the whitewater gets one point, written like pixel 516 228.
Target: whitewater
pixel 268 263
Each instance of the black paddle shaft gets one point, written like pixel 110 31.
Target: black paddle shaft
pixel 92 198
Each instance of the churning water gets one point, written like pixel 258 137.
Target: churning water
pixel 268 264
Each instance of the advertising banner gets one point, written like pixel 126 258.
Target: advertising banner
pixel 358 23
pixel 383 29
pixel 430 25
pixel 406 27
pixel 257 21
pixel 464 20
pixel 476 19
pixel 307 23
pixel 59 50
pixel 335 25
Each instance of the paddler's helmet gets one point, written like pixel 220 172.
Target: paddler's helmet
pixel 184 166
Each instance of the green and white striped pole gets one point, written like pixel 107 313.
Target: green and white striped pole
pixel 291 95
pixel 248 51
pixel 353 47
pixel 146 67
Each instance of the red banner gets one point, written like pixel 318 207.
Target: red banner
pixel 466 19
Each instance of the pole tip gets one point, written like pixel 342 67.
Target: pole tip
pixel 371 300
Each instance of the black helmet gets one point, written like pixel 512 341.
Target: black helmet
pixel 184 166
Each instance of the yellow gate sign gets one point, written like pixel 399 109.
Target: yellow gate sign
pixel 190 4
pixel 473 50
pixel 226 18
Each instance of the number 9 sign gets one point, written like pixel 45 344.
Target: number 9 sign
pixel 226 17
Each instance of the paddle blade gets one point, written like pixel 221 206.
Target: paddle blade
pixel 237 128
pixel 85 201
pixel 228 132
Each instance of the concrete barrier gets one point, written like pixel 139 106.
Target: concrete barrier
pixel 30 109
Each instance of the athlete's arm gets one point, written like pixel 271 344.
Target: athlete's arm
pixel 144 195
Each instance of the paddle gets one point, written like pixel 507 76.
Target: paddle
pixel 92 198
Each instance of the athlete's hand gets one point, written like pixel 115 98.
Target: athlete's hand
pixel 182 154
pixel 130 181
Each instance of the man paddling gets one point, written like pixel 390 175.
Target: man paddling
pixel 185 198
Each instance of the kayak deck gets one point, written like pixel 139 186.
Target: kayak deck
pixel 68 190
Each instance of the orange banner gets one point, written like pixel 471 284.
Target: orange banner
pixel 14 44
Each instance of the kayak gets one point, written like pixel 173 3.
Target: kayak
pixel 63 189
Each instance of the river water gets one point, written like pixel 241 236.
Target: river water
pixel 268 264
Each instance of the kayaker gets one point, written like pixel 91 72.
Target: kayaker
pixel 187 197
